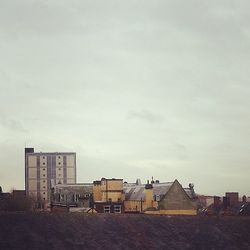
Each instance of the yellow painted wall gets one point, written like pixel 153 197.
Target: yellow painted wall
pixel 112 189
pixel 114 185
pixel 174 212
pixel 133 206
pixel 111 195
pixel 149 198
pixel 130 206
pixel 97 194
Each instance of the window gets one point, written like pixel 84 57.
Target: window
pixel 59 168
pixel 43 181
pixel 43 163
pixel 44 199
pixel 59 163
pixel 43 157
pixel 43 192
pixel 43 186
pixel 59 157
pixel 106 209
pixel 43 169
pixel 43 175
pixel 117 209
pixel 157 197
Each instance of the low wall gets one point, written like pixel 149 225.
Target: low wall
pixel 173 212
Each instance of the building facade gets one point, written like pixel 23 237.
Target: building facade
pixel 108 195
pixel 44 170
pixel 114 196
pixel 160 198
pixel 74 195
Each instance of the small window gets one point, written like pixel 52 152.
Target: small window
pixel 59 168
pixel 44 199
pixel 43 163
pixel 117 209
pixel 59 175
pixel 43 186
pixel 106 209
pixel 43 175
pixel 43 181
pixel 59 163
pixel 43 192
pixel 43 169
pixel 43 157
pixel 59 157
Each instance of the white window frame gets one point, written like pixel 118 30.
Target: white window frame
pixel 106 209
pixel 117 209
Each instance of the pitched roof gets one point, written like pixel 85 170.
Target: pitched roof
pixel 188 192
pixel 136 192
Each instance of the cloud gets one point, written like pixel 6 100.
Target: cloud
pixel 145 115
pixel 12 124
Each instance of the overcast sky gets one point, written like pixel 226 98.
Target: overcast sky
pixel 136 88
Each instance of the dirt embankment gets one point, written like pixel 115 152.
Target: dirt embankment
pixel 99 231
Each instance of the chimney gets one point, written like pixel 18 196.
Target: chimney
pixel 226 202
pixel 216 201
pixel 152 181
pixel 233 198
pixel 191 187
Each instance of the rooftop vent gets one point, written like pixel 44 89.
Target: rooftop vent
pixel 148 186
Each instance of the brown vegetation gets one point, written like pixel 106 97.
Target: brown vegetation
pixel 102 231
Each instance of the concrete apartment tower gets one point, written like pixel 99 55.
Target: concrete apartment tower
pixel 44 170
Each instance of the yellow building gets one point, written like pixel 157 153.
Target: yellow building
pixel 108 190
pixel 108 195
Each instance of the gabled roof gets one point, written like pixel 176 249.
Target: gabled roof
pixel 136 192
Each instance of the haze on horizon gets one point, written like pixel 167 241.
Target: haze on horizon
pixel 135 88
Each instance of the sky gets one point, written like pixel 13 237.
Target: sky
pixel 136 88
